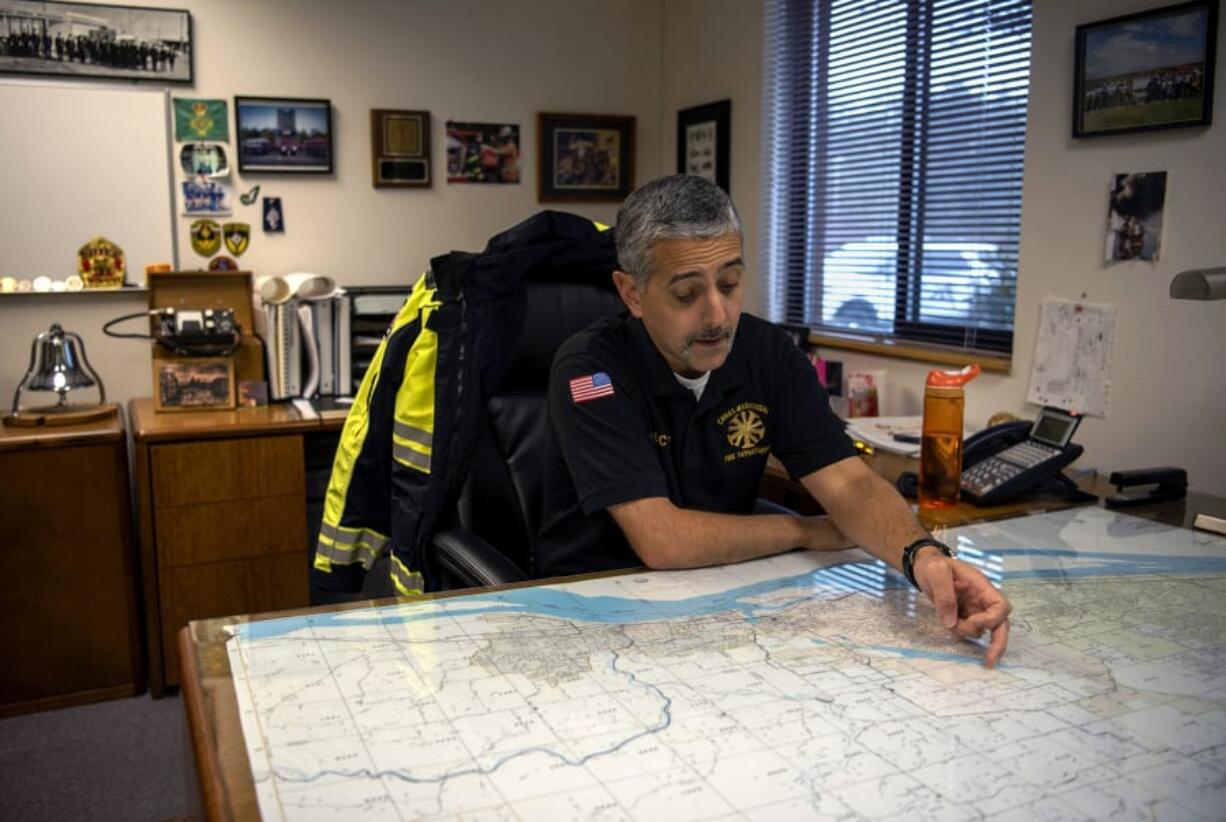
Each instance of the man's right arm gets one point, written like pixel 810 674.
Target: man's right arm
pixel 667 536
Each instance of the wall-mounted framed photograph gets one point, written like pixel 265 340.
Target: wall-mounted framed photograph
pixel 1146 71
pixel 585 157
pixel 482 152
pixel 400 148
pixel 283 135
pixel 704 136
pixel 92 40
pixel 193 383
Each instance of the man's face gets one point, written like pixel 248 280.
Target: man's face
pixel 692 301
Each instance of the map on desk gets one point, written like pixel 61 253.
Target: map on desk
pixel 802 686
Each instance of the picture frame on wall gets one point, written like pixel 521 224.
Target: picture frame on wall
pixel 585 157
pixel 94 40
pixel 1146 71
pixel 400 148
pixel 193 383
pixel 283 135
pixel 704 136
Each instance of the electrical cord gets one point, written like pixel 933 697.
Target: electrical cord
pixel 106 327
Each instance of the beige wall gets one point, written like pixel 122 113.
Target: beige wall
pixel 506 61
pixel 1168 398
pixel 477 60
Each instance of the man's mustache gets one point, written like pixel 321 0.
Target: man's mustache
pixel 711 333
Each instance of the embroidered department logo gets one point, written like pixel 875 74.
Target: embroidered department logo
pixel 238 235
pixel 206 237
pixel 591 387
pixel 745 429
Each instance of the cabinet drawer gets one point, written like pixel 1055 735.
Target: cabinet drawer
pixel 212 531
pixel 218 470
pixel 249 586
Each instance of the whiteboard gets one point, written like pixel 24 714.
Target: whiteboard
pixel 79 161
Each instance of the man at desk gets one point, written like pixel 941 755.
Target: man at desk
pixel 662 422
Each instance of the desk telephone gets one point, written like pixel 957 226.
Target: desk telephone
pixel 1006 460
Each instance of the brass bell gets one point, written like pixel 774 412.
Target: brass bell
pixel 58 363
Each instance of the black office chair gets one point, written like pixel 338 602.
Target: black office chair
pixel 499 507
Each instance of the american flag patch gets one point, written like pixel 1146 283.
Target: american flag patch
pixel 591 387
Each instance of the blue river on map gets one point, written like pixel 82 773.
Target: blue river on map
pixel 822 583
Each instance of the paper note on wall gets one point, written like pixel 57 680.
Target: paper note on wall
pixel 1072 357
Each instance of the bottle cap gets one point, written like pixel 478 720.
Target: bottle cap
pixel 953 379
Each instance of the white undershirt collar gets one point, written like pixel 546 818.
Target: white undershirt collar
pixel 695 384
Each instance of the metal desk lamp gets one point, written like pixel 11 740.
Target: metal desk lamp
pixel 1199 284
pixel 58 363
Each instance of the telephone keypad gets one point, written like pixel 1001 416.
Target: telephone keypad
pixel 1000 468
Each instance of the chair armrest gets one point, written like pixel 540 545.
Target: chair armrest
pixel 765 506
pixel 469 561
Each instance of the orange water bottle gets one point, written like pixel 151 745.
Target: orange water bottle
pixel 940 474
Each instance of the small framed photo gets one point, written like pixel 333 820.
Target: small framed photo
pixel 284 135
pixel 704 141
pixel 1146 71
pixel 400 148
pixel 94 40
pixel 482 153
pixel 585 157
pixel 193 384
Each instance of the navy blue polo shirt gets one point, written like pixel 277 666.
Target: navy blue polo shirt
pixel 622 428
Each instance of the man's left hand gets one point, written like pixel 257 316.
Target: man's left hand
pixel 966 602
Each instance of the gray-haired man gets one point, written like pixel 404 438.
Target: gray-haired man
pixel 662 421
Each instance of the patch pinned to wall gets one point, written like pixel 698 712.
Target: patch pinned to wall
pixel 274 215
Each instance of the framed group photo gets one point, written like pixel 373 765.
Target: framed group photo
pixel 585 157
pixel 282 134
pixel 193 383
pixel 1146 71
pixel 704 141
pixel 94 40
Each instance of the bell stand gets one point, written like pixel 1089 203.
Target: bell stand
pixel 64 413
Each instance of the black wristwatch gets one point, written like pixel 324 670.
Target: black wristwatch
pixel 908 555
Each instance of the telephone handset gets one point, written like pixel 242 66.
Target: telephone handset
pixel 1006 460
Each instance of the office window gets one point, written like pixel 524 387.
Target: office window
pixel 893 172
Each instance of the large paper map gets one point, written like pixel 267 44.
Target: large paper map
pixel 803 686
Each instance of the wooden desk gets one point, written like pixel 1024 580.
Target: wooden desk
pixel 70 617
pixel 222 517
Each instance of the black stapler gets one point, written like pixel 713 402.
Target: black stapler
pixel 1144 485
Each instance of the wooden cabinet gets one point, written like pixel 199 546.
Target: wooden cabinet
pixel 70 619
pixel 221 496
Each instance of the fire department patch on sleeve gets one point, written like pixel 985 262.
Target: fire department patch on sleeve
pixel 591 387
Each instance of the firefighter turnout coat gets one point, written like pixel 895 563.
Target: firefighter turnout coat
pixel 410 434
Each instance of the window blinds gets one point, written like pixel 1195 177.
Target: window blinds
pixel 895 134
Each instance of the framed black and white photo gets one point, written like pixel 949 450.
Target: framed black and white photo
pixel 93 40
pixel 283 134
pixel 585 157
pixel 703 141
pixel 1146 71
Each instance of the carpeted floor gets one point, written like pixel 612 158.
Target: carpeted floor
pixel 126 759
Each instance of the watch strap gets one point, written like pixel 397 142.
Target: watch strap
pixel 908 556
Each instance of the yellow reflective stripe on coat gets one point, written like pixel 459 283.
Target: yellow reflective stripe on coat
pixel 407 582
pixel 345 546
pixel 413 432
pixel 354 434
